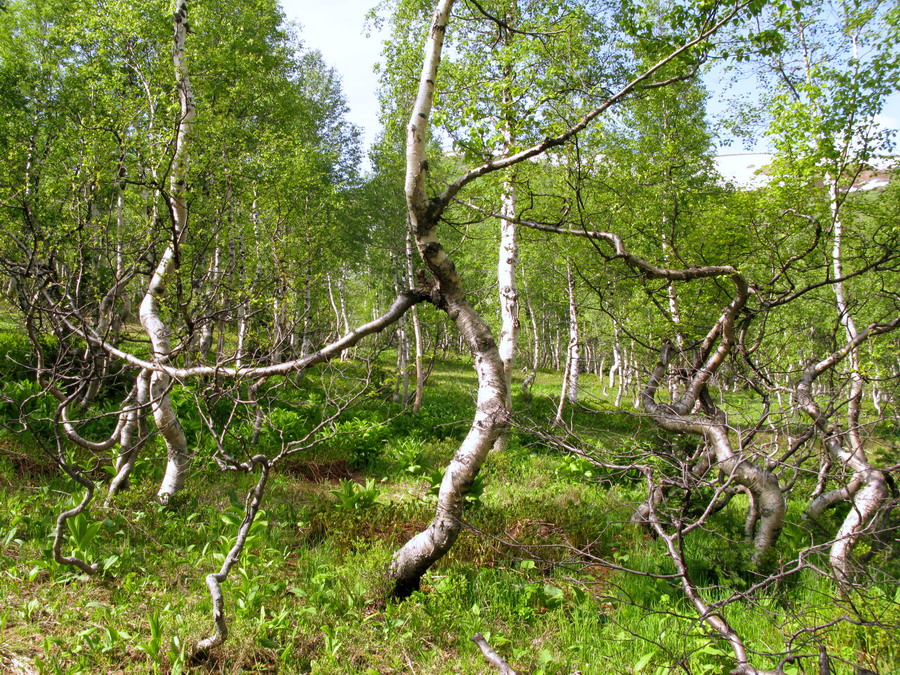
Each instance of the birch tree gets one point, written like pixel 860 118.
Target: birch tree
pixel 425 213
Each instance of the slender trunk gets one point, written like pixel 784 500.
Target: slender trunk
pixel 417 326
pixel 160 383
pixel 214 581
pixel 844 316
pixel 133 437
pixel 342 303
pixel 508 258
pixel 204 344
pixel 348 354
pixel 306 342
pixel 569 391
pixel 241 335
pixel 621 366
pixel 401 387
pixel 614 366
pixel 674 309
pixel 509 296
pixel 557 359
pixel 334 307
pixel 573 354
pixel 536 355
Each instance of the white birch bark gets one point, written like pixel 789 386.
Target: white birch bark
pixel 844 316
pixel 536 337
pixel 149 313
pixel 417 326
pixel 491 414
pixel 509 295
pixel 569 391
pixel 867 487
pixel 334 307
pixel 573 355
pixel 508 258
pixel 132 438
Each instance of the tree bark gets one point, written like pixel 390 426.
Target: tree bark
pixel 160 382
pixel 491 413
pixel 417 326
pixel 867 486
pixel 569 391
pixel 133 437
pixel 509 295
pixel 508 257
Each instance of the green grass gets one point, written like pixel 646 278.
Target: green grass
pixel 309 592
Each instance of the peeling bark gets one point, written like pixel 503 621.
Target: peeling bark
pixel 509 295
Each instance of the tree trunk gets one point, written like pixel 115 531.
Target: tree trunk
pixel 569 391
pixel 509 295
pixel 160 382
pixel 867 487
pixel 133 437
pixel 417 326
pixel 491 413
pixel 508 257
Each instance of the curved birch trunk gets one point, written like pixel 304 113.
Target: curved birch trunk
pixel 769 504
pixel 491 419
pixel 867 487
pixel 132 438
pixel 763 485
pixel 491 412
pixel 149 313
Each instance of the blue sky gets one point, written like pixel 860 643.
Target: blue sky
pixel 336 28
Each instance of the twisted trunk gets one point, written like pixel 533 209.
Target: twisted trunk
pixel 132 438
pixel 491 411
pixel 149 313
pixel 867 487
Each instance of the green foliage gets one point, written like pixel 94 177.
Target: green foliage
pixel 18 359
pixel 153 647
pixel 408 454
pixel 354 497
pixel 361 440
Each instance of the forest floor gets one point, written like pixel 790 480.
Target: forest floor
pixel 309 594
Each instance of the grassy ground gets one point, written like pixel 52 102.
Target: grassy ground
pixel 309 592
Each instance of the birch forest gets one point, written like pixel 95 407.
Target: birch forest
pixel 529 384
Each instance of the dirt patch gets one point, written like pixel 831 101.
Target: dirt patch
pixel 29 467
pixel 16 664
pixel 333 471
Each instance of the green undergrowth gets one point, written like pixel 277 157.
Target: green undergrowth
pixel 310 594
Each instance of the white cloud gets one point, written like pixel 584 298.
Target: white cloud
pixel 335 28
